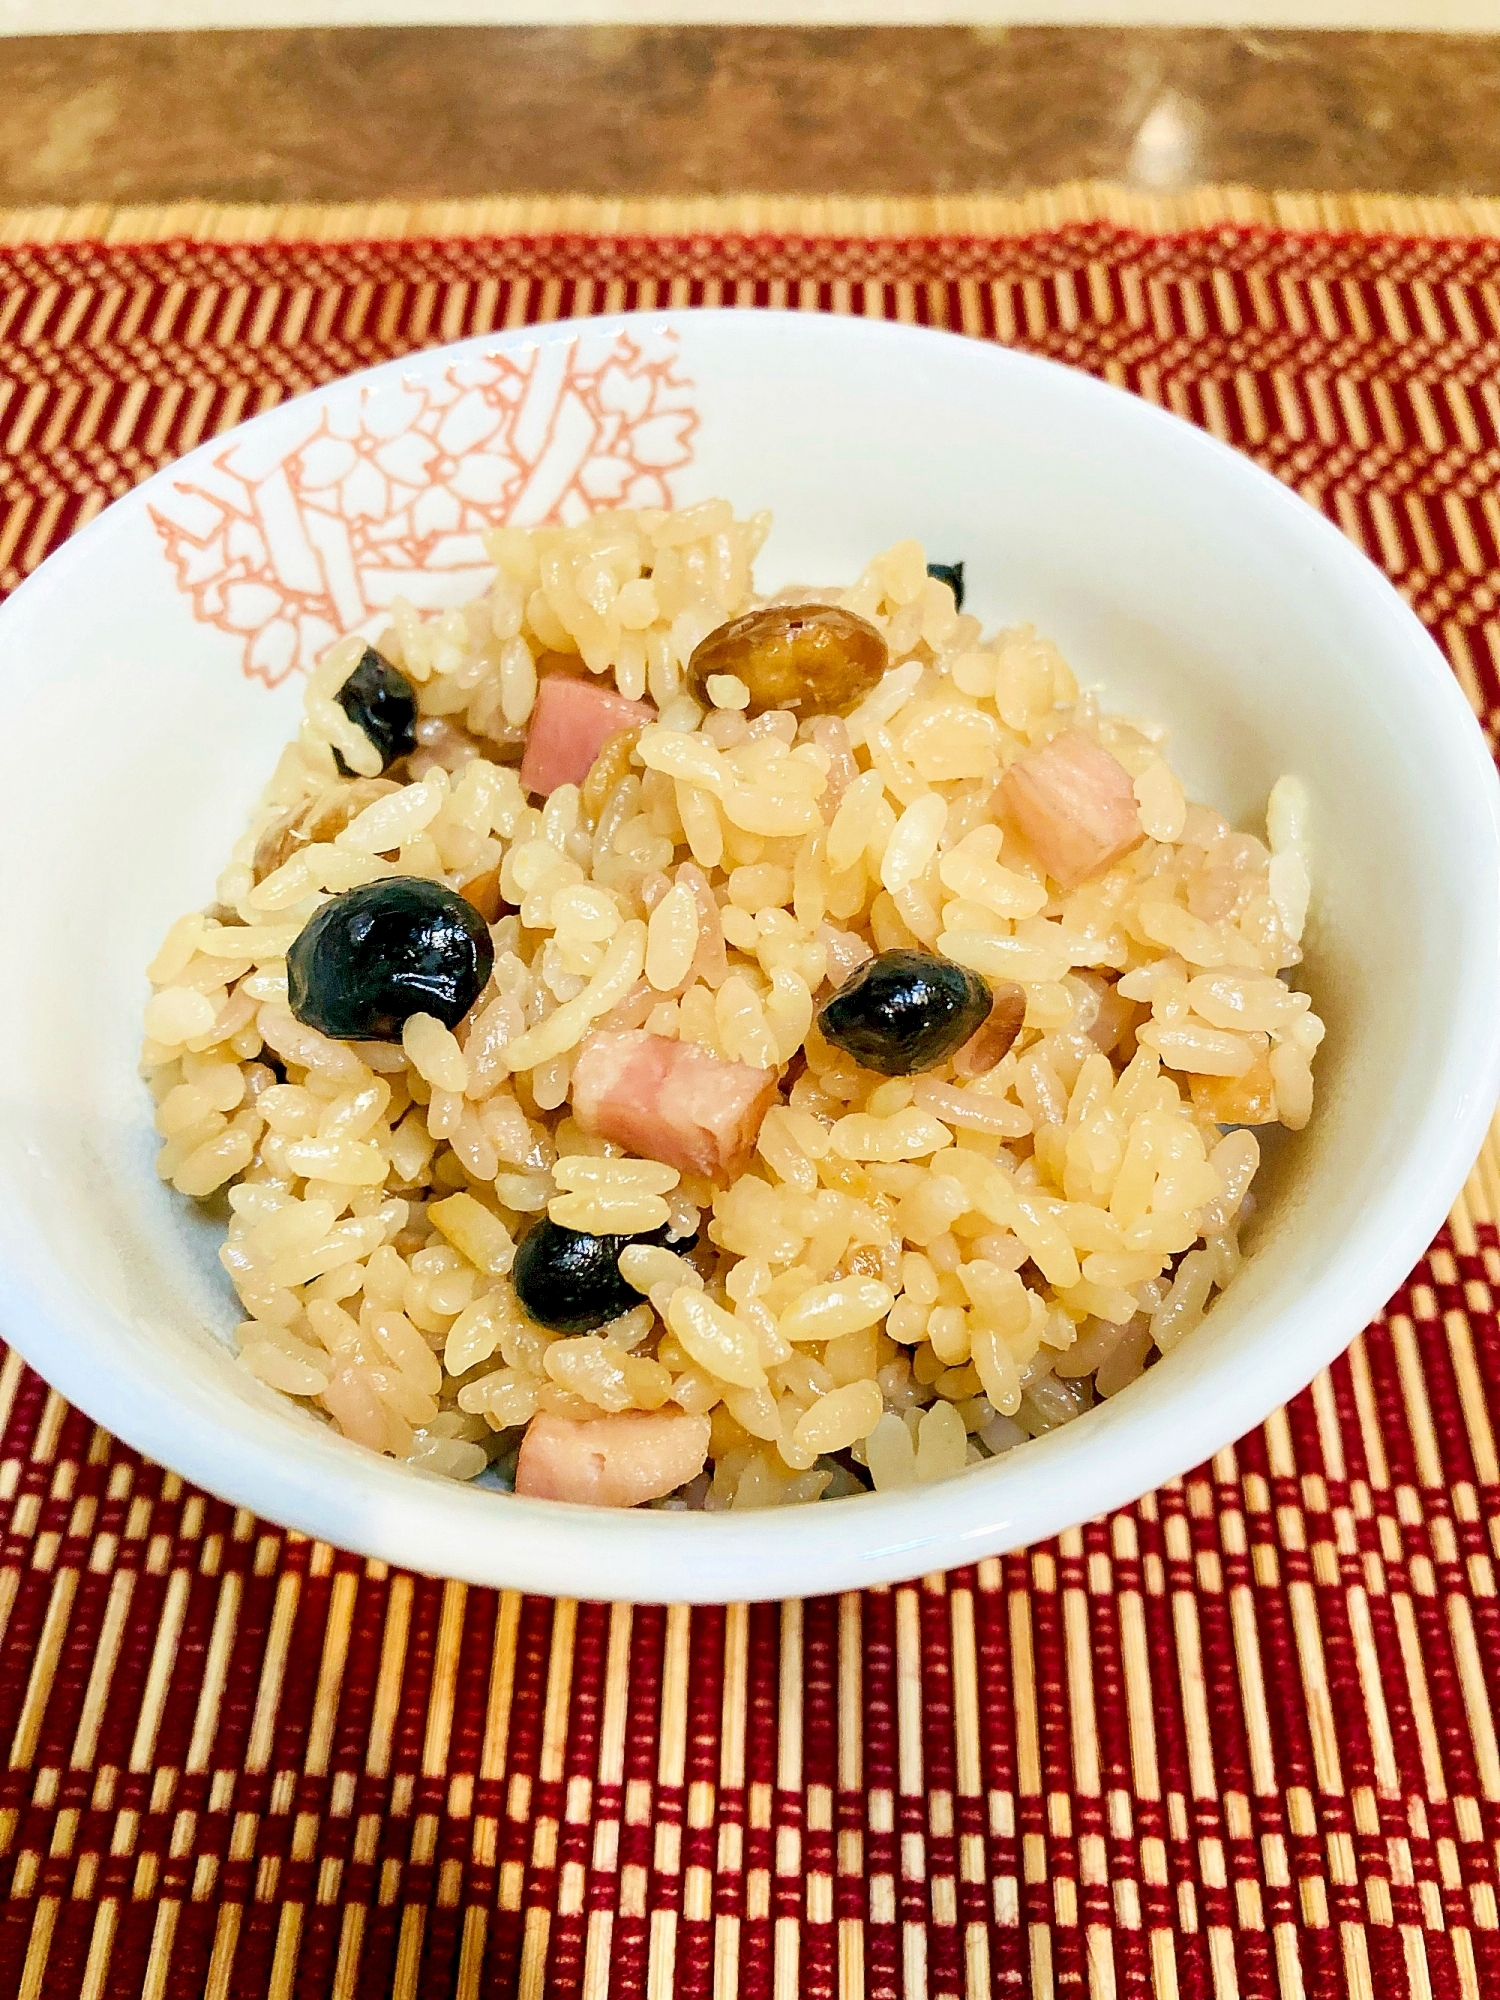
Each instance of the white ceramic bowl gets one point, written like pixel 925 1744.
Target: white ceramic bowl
pixel 136 669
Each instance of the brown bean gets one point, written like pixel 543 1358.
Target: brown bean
pixel 1237 1100
pixel 483 891
pixel 320 819
pixel 608 768
pixel 804 658
pixel 989 1043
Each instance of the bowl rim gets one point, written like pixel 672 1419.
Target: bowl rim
pixel 652 1556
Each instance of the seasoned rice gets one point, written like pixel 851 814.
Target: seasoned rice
pixel 914 1273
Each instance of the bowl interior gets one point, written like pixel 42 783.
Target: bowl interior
pixel 1196 591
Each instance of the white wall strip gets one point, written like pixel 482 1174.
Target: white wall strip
pixel 37 17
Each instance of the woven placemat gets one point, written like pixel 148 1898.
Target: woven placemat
pixel 1237 1740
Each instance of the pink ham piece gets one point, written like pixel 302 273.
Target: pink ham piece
pixel 1075 804
pixel 570 724
pixel 618 1461
pixel 670 1101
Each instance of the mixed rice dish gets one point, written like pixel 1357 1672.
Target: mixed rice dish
pixel 659 1045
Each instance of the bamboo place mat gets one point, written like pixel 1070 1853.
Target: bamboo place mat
pixel 1236 1740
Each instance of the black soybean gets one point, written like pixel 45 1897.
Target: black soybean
pixel 905 1011
pixel 569 1281
pixel 376 955
pixel 380 701
pixel 953 575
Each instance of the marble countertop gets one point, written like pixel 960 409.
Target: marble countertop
pixel 354 114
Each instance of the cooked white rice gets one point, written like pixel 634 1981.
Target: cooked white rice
pixel 915 1273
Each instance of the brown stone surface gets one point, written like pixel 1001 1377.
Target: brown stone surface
pixel 358 114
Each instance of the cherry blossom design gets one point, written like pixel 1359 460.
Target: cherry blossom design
pixel 388 494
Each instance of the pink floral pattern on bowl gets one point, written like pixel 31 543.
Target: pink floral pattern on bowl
pixel 390 492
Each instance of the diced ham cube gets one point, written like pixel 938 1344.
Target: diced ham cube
pixel 571 723
pixel 1116 1018
pixel 617 1461
pixel 1075 804
pixel 670 1101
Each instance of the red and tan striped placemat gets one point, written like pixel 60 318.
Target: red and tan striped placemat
pixel 1237 1740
